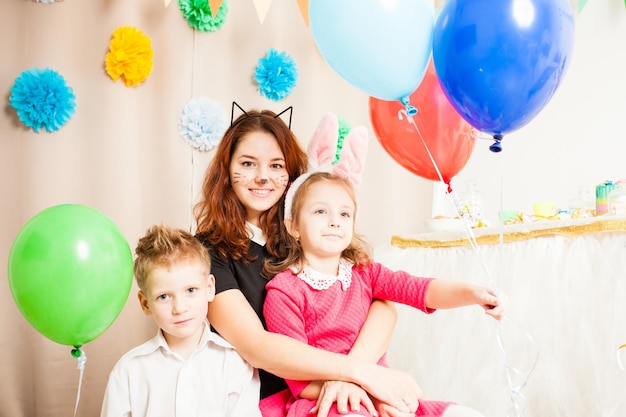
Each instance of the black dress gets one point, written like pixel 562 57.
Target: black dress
pixel 247 278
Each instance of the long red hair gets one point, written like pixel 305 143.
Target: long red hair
pixel 220 216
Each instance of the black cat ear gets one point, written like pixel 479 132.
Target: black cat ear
pixel 238 118
pixel 288 109
pixel 232 112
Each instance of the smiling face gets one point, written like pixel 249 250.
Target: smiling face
pixel 324 223
pixel 258 174
pixel 177 298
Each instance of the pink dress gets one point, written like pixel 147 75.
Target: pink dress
pixel 331 318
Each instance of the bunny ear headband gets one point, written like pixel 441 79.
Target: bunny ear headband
pixel 322 153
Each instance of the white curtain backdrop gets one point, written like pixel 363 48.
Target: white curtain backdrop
pixel 567 314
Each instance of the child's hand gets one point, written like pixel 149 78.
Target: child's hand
pixel 493 302
pixel 348 396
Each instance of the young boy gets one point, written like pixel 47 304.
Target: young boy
pixel 185 370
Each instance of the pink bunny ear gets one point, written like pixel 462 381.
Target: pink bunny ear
pixel 353 153
pixel 323 145
pixel 322 150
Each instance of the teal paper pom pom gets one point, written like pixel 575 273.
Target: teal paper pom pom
pixel 276 75
pixel 199 17
pixel 42 99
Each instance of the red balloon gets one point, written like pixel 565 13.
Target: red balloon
pixel 449 138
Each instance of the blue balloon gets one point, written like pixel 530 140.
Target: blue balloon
pixel 382 47
pixel 500 62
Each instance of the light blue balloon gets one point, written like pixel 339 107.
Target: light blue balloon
pixel 382 47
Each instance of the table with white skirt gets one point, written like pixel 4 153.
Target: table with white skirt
pixel 556 353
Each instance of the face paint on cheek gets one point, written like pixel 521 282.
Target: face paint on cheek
pixel 237 177
pixel 281 180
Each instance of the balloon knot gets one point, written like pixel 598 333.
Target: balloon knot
pixel 410 110
pixel 496 146
pixel 78 353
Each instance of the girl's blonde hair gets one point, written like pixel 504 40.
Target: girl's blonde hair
pixel 358 252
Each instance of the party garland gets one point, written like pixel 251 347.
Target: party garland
pixel 276 75
pixel 130 56
pixel 198 14
pixel 202 123
pixel 42 99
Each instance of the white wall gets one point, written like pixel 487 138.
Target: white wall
pixel 580 136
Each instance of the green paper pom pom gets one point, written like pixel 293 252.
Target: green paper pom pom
pixel 199 17
pixel 344 129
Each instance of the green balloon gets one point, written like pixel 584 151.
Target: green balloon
pixel 70 273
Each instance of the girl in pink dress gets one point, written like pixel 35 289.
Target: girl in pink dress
pixel 322 291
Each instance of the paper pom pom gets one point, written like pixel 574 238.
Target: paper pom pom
pixel 130 56
pixel 199 17
pixel 202 123
pixel 42 99
pixel 276 75
pixel 344 128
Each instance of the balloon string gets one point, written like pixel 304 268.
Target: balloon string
pixel 81 359
pixel 517 398
pixel 451 194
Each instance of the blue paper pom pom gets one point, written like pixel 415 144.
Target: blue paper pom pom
pixel 202 123
pixel 42 99
pixel 276 74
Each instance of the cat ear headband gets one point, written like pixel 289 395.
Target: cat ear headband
pixel 232 114
pixel 322 151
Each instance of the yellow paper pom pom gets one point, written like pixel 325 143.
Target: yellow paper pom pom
pixel 130 56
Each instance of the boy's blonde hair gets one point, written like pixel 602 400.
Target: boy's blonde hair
pixel 164 246
pixel 359 252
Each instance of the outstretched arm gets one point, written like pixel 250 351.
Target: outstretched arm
pixel 233 317
pixel 443 294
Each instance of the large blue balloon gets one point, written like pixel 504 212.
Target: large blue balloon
pixel 499 62
pixel 381 47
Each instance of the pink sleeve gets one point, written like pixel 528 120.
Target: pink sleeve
pixel 399 286
pixel 283 315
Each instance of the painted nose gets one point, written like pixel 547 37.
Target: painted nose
pixel 261 176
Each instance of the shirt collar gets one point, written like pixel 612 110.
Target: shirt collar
pixel 319 281
pixel 256 234
pixel 207 337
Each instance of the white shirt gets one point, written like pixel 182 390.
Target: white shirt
pixel 152 381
